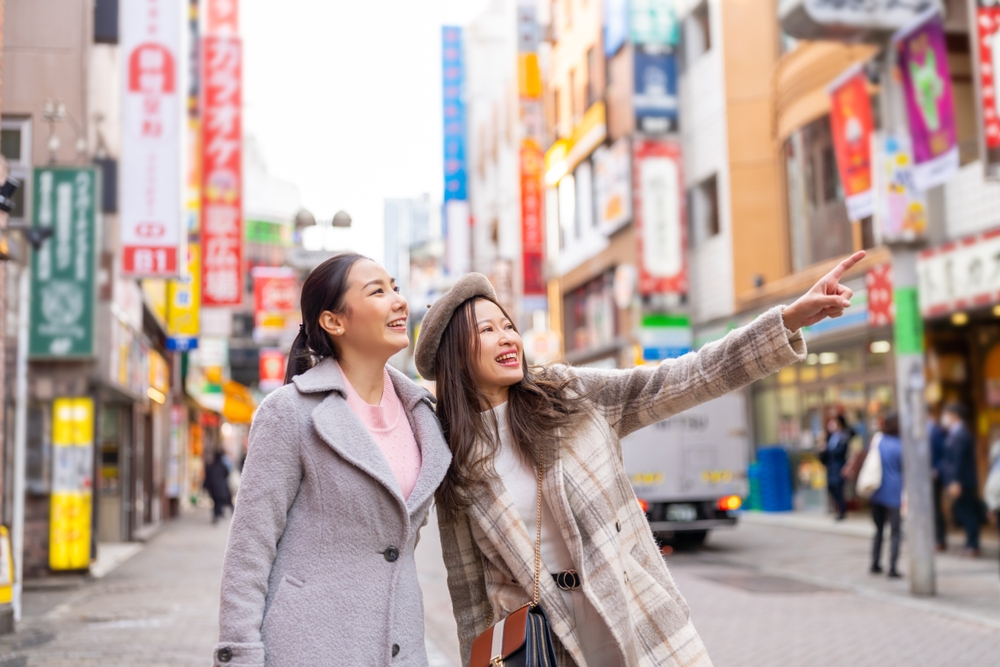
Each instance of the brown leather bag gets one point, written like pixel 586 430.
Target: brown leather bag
pixel 524 637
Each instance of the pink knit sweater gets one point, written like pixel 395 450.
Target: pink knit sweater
pixel 390 428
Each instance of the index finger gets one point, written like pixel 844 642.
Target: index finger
pixel 846 265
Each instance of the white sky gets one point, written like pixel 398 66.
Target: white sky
pixel 344 98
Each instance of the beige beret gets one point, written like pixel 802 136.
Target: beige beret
pixel 437 318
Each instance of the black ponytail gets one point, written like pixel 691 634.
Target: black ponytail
pixel 324 289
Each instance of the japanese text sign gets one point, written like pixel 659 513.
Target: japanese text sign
pixel 986 56
pixel 272 369
pixel 62 271
pixel 275 300
pixel 930 108
pixel 878 282
pixel 659 217
pixel 223 17
pixel 72 483
pixel 222 177
pixel 959 275
pixel 852 126
pixel 532 227
pixel 151 146
pixel 453 81
pixel 184 304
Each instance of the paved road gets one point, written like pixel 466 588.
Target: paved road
pixel 761 596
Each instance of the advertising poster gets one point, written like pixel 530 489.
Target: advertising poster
pixel 150 188
pixel 930 108
pixel 852 125
pixel 72 483
pixel 613 186
pixel 184 304
pixel 654 23
pixel 275 301
pixel 532 229
pixel 453 81
pixel 901 209
pixel 272 369
pixel 659 217
pixel 62 272
pixel 655 97
pixel 222 177
pixel 986 28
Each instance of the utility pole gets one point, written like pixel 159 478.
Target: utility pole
pixel 908 334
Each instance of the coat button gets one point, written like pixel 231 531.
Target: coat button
pixel 395 650
pixel 225 654
pixel 391 554
pixel 618 526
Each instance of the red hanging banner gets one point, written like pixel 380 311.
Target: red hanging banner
pixel 222 178
pixel 532 232
pixel 852 125
pixel 986 49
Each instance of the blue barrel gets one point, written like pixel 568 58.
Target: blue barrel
pixel 775 479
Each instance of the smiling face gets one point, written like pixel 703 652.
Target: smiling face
pixel 501 353
pixel 373 320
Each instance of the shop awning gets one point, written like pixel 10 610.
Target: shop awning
pixel 237 402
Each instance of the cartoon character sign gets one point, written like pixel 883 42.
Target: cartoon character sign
pixel 852 126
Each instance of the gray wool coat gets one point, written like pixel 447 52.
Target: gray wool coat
pixel 319 569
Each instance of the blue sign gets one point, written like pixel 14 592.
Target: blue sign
pixel 453 84
pixel 615 25
pixel 655 97
pixel 181 344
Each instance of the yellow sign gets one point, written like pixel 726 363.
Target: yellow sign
pixel 529 77
pixel 154 291
pixel 159 373
pixel 6 568
pixel 184 298
pixel 565 154
pixel 72 483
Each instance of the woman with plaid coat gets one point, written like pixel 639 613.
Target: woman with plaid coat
pixel 502 420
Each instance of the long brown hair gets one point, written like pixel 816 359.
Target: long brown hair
pixel 324 289
pixel 541 408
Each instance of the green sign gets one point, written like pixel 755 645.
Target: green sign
pixel 654 22
pixel 909 329
pixel 63 289
pixel 268 233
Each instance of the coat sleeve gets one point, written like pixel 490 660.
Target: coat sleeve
pixel 271 478
pixel 638 397
pixel 466 581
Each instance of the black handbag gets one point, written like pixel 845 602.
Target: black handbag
pixel 524 637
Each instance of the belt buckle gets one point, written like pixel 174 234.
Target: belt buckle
pixel 568 580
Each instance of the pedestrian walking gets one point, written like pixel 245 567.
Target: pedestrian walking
pixel 938 435
pixel 888 498
pixel 341 469
pixel 834 457
pixel 602 582
pixel 991 493
pixel 961 480
pixel 217 485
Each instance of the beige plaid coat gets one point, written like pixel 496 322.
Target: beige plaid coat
pixel 490 556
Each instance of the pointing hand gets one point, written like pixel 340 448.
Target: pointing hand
pixel 827 298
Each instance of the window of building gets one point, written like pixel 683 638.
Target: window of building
pixel 571 93
pixel 592 70
pixel 817 215
pixel 697 33
pixel 106 21
pixel 38 452
pixel 15 145
pixel 557 101
pixel 703 210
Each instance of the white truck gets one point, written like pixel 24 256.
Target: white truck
pixel 690 471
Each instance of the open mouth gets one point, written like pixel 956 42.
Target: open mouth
pixel 397 324
pixel 508 359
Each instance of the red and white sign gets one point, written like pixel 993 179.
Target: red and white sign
pixel 272 369
pixel 275 300
pixel 878 281
pixel 960 275
pixel 222 177
pixel 532 226
pixel 852 125
pixel 659 217
pixel 151 193
pixel 988 39
pixel 223 17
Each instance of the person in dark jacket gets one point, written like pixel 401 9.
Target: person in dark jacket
pixel 937 435
pixel 217 484
pixel 834 457
pixel 960 478
pixel 886 501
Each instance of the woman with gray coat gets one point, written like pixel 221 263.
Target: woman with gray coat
pixel 604 587
pixel 342 466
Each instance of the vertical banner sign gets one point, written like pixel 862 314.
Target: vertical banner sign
pixel 613 186
pixel 151 147
pixel 72 483
pixel 986 56
pixel 275 301
pixel 62 271
pixel 930 108
pixel 223 17
pixel 456 206
pixel 901 209
pixel 659 217
pixel 184 304
pixel 222 178
pixel 532 158
pixel 852 125
pixel 272 369
pixel 655 97
pixel 878 282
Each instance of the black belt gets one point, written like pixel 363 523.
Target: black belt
pixel 569 580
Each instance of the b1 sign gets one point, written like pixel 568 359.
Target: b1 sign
pixel 151 147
